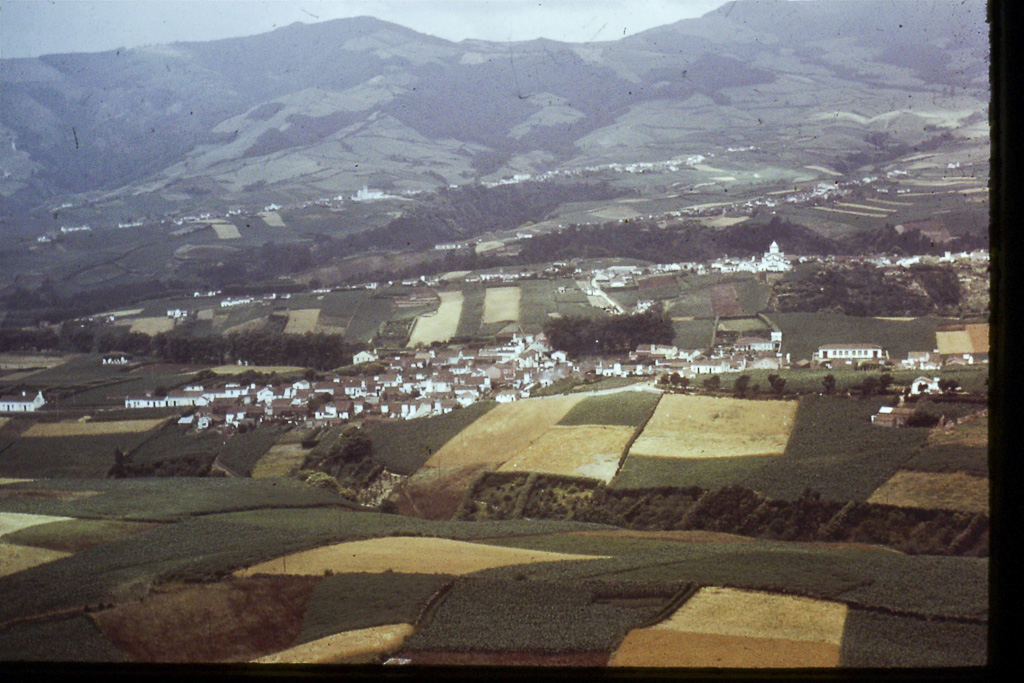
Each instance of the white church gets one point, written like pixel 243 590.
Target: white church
pixel 774 260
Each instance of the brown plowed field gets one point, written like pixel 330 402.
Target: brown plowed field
pixel 230 621
pixel 724 301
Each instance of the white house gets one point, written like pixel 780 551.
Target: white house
pixel 925 385
pixel 364 357
pixel 115 358
pixel 14 403
pixel 850 352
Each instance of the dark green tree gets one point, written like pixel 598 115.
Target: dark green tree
pixel 828 383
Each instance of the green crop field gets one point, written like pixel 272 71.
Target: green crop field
pixel 74 535
pixel 346 602
pixel 403 446
pixel 537 299
pixel 627 408
pixel 835 450
pixel 66 640
pixel 693 334
pixel 753 295
pixel 472 311
pixel 367 319
pixel 803 333
pixel 876 640
pixel 709 473
pixel 64 456
pixel 243 450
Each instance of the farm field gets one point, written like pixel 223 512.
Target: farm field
pixel 152 325
pixel 501 304
pixel 590 451
pixel 626 408
pixel 503 431
pixel 67 429
pixel 348 647
pixel 701 427
pixel 225 230
pixel 301 321
pixel 803 333
pixel 725 627
pixel 16 558
pixel 403 554
pixel 281 460
pixel 934 490
pixel 404 445
pixel 268 369
pixel 441 325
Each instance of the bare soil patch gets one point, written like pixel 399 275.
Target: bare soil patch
pixel 724 301
pixel 934 491
pixel 76 428
pixel 15 558
pixel 404 554
pixel 501 304
pixel 436 493
pixel 707 427
pixel 362 645
pixel 235 620
pixel 584 450
pixel 954 341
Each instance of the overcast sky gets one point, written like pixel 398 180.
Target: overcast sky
pixel 29 28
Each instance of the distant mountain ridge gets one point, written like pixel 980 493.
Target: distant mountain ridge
pixel 324 109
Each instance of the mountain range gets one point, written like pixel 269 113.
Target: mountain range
pixel 324 109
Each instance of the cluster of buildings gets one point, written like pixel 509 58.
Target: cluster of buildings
pixel 400 386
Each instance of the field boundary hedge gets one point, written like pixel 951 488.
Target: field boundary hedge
pixel 730 509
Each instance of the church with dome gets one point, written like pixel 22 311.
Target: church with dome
pixel 774 260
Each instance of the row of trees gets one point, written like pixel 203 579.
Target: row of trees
pixel 313 350
pixel 579 336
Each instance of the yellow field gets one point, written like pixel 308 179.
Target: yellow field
pixel 954 341
pixel 706 427
pixel 404 554
pixel 3 421
pixel 77 428
pixel 727 627
pixel 281 460
pixel 500 304
pixel 19 361
pixel 124 314
pixel 272 218
pixel 11 480
pixel 723 221
pixel 979 337
pixel 302 320
pixel 503 431
pixel 225 230
pixel 615 213
pixel 154 325
pixel 934 490
pixel 824 170
pixel 205 314
pixel 895 318
pixel 344 647
pixel 582 451
pixel 742 325
pixel 14 521
pixel 852 213
pixel 247 326
pixel 455 275
pixel 16 558
pixel 488 246
pixel 239 369
pixel 439 325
